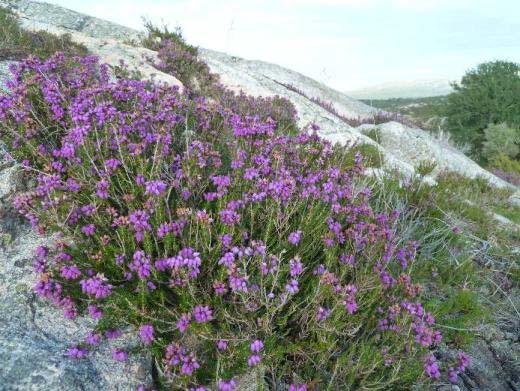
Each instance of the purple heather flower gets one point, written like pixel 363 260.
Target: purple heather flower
pixel 292 287
pixel 220 288
pixel 228 260
pixel 70 272
pixel 102 189
pixel 296 267
pixel 119 355
pixel 322 313
pixel 452 375
pixel 298 387
pixel 229 217
pixel 227 385
pixel 254 360
pixel 112 164
pixel 77 352
pixel 141 264
pixel 163 230
pixel 222 344
pixel 139 180
pixel 42 252
pixel 295 237
pixel 113 333
pixel 146 332
pixel 221 181
pixel 88 229
pixel 202 314
pixel 189 364
pixel 183 322
pixel 431 368
pixel 95 312
pixel 155 187
pixel 93 339
pixel 463 361
pixel 257 346
pixel 226 240
pixel 319 270
pixel 73 185
pixel 238 284
pixel 139 221
pixel 96 287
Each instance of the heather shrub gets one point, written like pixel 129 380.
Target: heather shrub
pixel 16 43
pixel 501 139
pixel 181 62
pixel 226 243
pixel 156 35
pixel 178 58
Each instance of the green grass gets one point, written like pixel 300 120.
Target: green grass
pixel 457 269
pixel 16 43
pixel 372 157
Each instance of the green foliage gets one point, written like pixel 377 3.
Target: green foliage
pixel 488 94
pixel 501 139
pixel 505 163
pixel 453 223
pixel 425 167
pixel 16 43
pixel 346 157
pixel 374 134
pixel 459 313
pixel 156 35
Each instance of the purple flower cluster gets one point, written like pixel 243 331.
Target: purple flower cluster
pixel 233 230
pixel 96 287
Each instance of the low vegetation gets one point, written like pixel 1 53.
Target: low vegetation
pixel 17 43
pixel 232 241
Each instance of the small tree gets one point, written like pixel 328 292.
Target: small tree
pixel 488 94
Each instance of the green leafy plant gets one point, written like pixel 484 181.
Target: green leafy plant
pixel 488 94
pixel 17 43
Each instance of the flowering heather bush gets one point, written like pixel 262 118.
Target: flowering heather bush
pixel 180 60
pixel 225 243
pixel 511 177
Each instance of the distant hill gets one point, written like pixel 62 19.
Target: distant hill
pixel 404 89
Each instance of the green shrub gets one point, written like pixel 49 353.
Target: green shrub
pixel 489 94
pixel 374 134
pixel 505 163
pixel 156 35
pixel 16 43
pixel 425 167
pixel 501 139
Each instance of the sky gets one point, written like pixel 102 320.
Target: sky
pixel 347 44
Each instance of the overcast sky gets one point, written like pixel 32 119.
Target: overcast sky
pixel 347 44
